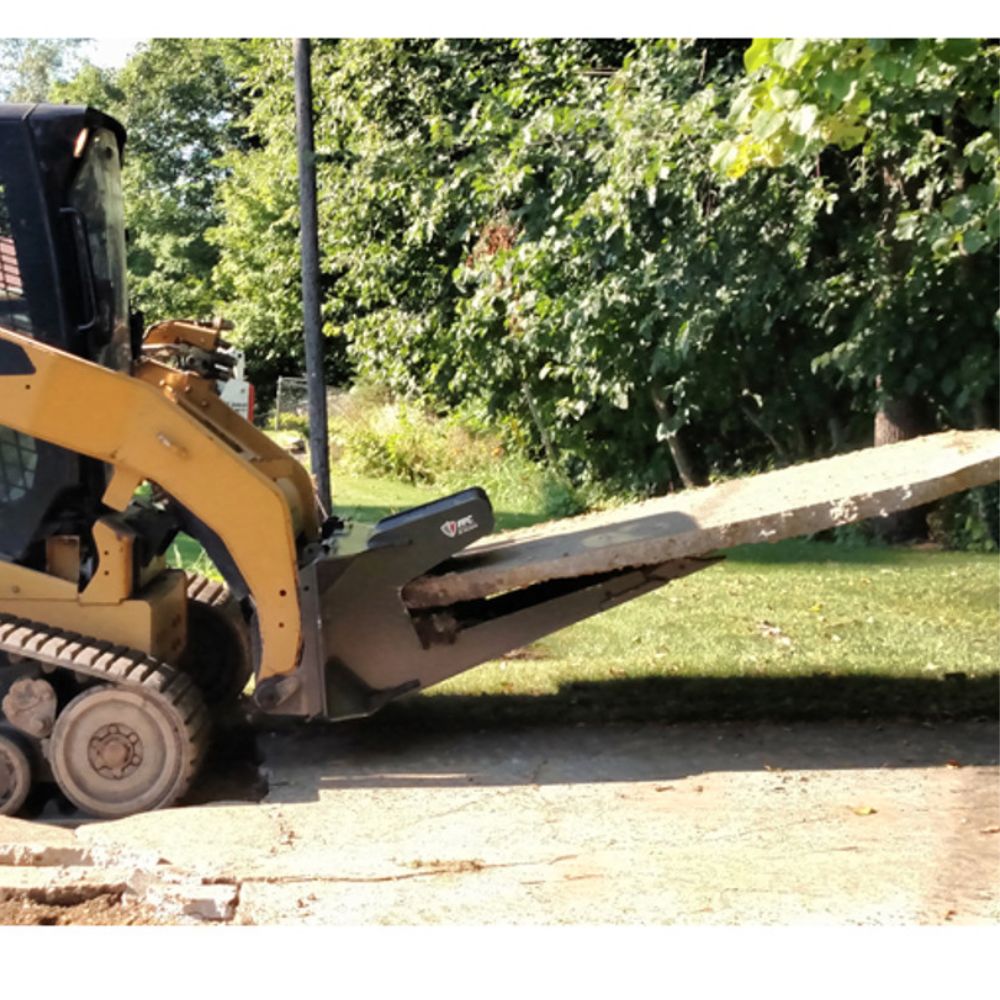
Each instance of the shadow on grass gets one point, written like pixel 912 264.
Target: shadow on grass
pixel 810 698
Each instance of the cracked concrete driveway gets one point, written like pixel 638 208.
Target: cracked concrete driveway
pixel 833 823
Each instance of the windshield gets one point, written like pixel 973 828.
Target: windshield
pixel 97 195
pixel 13 306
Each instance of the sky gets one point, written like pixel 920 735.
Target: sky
pixel 512 18
pixel 111 53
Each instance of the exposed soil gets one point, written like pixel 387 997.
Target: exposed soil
pixel 104 909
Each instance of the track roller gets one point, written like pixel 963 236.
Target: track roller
pixel 15 773
pixel 116 751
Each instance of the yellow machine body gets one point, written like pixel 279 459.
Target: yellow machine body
pixel 168 428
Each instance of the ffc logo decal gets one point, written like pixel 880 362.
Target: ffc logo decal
pixel 460 527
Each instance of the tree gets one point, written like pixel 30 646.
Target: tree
pixel 904 136
pixel 29 67
pixel 181 104
pixel 257 274
pixel 646 299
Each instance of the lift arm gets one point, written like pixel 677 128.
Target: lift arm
pixel 144 433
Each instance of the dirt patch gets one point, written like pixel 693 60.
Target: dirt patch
pixel 232 770
pixel 103 909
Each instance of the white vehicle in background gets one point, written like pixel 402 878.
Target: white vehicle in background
pixel 237 392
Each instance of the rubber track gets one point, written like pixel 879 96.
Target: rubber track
pixel 205 591
pixel 119 666
pixel 216 595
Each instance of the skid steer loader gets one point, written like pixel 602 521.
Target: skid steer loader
pixel 113 439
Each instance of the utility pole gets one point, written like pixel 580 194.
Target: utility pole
pixel 319 451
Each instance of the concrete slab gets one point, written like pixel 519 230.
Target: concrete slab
pixel 641 824
pixel 14 831
pixel 786 503
pixel 626 824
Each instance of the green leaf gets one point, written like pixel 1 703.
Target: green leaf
pixel 743 106
pixel 767 123
pixel 974 240
pixel 758 54
pixel 907 225
pixel 956 50
pixel 843 132
pixel 723 156
pixel 979 150
pixel 803 120
pixel 835 84
pixel 788 52
pixel 784 97
pixel 958 209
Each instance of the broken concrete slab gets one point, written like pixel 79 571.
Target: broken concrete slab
pixel 64 876
pixel 62 886
pixel 54 868
pixel 179 895
pixel 40 855
pixel 14 832
pixel 786 503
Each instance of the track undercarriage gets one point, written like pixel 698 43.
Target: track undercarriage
pixel 117 730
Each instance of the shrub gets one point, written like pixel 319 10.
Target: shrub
pixel 404 441
pixel 969 521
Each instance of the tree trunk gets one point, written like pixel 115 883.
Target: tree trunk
pixel 905 417
pixel 837 433
pixel 543 431
pixel 687 467
pixel 900 420
pixel 983 415
pixel 780 454
pixel 690 475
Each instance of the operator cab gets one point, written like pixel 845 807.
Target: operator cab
pixel 62 231
pixel 62 282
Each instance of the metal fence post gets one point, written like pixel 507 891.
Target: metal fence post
pixel 319 451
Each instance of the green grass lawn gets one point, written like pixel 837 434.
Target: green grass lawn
pixel 799 629
pixel 794 630
pixel 367 499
